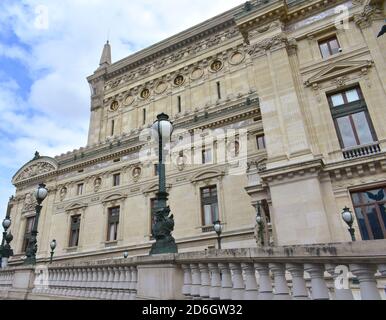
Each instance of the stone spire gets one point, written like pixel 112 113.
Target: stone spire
pixel 106 56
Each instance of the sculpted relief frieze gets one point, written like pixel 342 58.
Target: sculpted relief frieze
pixel 35 169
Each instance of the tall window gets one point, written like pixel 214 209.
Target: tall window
pixel 79 190
pixel 116 179
pixel 218 90
pixel 179 104
pixel 209 205
pixel 153 207
pixel 260 142
pixel 74 231
pixel 370 212
pixel 144 116
pixel 352 121
pixel 112 224
pixel 206 156
pixel 329 47
pixel 27 233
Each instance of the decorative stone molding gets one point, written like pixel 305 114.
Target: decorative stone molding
pixel 113 199
pixel 271 44
pixel 369 13
pixel 35 168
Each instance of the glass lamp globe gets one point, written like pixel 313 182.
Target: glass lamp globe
pixel 53 245
pixel 125 254
pixel 217 227
pixel 6 223
pixel 259 219
pixel 162 126
pixel 9 237
pixel 347 216
pixel 41 192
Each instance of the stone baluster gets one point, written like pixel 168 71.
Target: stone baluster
pixel 196 281
pixel 238 288
pixel 367 283
pixel 83 282
pixel 54 281
pixel 69 287
pixel 115 286
pixel 61 283
pixel 215 281
pixel 251 292
pixel 265 284
pixel 205 281
pixel 104 284
pixel 187 287
pixel 134 279
pixel 94 284
pixel 280 282
pixel 319 290
pixel 341 283
pixel 48 289
pixel 110 283
pixel 121 283
pixel 89 287
pixel 299 287
pixel 77 280
pixel 226 282
pixel 98 283
pixel 128 283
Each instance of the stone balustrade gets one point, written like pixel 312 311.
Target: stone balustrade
pixel 344 271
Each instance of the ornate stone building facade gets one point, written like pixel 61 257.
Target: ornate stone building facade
pixel 301 85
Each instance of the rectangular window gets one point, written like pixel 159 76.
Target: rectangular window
pixel 144 116
pixel 153 207
pixel 116 179
pixel 74 231
pixel 206 156
pixel 329 47
pixel 179 104
pixel 370 212
pixel 79 190
pixel 351 118
pixel 218 90
pixel 260 142
pixel 112 224
pixel 112 127
pixel 27 233
pixel 209 205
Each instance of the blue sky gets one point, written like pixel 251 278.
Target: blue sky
pixel 49 47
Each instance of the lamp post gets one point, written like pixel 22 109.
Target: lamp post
pixel 5 248
pixel 40 194
pixel 260 224
pixel 164 223
pixel 52 246
pixel 348 217
pixel 218 228
pixel 125 254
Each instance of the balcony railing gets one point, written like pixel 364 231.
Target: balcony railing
pixel 361 151
pixel 342 271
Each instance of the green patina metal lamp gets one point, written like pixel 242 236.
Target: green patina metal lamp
pixel 218 228
pixel 40 194
pixel 348 217
pixel 164 221
pixel 52 246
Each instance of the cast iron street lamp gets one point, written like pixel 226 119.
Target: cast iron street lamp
pixel 348 217
pixel 125 254
pixel 260 224
pixel 5 248
pixel 52 246
pixel 40 194
pixel 164 223
pixel 218 228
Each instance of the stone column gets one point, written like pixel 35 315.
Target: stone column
pixel 367 282
pixel 318 284
pixel 265 284
pixel 251 292
pixel 205 281
pixel 215 281
pixel 186 289
pixel 196 281
pixel 299 288
pixel 226 282
pixel 341 293
pixel 281 287
pixel 238 289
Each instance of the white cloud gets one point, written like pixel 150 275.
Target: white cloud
pixel 53 118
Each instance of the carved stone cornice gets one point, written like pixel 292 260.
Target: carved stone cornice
pixel 271 44
pixel 370 13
